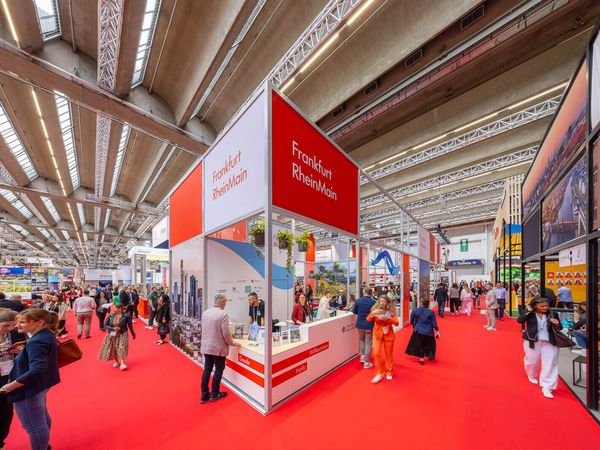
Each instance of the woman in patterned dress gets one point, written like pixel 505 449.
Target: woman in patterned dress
pixel 115 346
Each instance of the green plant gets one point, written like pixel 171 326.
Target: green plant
pixel 303 239
pixel 286 240
pixel 258 227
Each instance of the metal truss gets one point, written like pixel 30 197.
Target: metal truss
pixel 455 195
pixel 517 21
pixel 110 21
pixel 527 115
pixel 103 124
pixel 334 13
pixel 459 175
pixel 467 217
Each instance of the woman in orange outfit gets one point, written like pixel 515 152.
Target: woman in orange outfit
pixel 384 315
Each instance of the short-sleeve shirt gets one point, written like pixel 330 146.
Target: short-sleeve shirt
pixel 257 312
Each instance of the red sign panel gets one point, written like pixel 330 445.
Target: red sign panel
pixel 185 209
pixel 311 177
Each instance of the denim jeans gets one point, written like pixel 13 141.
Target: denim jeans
pixel 501 307
pixel 33 414
pixel 218 362
pixel 441 306
pixel 581 338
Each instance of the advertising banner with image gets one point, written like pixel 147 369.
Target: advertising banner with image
pixel 234 179
pixel 311 177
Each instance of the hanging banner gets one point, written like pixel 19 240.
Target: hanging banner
pixel 311 177
pixel 234 177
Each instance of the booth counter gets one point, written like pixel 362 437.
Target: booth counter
pixel 323 346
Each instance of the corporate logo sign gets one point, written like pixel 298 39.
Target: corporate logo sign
pixel 235 169
pixel 311 177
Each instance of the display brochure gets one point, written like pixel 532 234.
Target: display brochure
pixel 261 335
pixel 237 330
pixel 294 334
pixel 276 338
pixel 253 332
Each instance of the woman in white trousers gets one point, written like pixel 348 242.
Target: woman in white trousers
pixel 540 345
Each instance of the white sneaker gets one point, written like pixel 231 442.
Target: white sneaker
pixel 547 393
pixel 362 358
pixel 533 380
pixel 377 378
pixel 492 329
pixel 115 364
pixel 388 377
pixel 485 326
pixel 148 327
pixel 367 365
pixel 123 366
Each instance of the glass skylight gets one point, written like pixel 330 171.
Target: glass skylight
pixel 65 234
pixel 14 144
pixel 48 16
pixel 49 204
pixel 119 161
pixel 63 107
pixel 85 236
pixel 81 212
pixel 146 36
pixel 44 232
pixel 106 220
pixel 15 202
pixel 20 229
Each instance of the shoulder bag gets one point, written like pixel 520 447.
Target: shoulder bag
pixel 68 352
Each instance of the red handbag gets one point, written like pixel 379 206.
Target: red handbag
pixel 68 352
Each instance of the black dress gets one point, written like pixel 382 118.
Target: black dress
pixel 420 344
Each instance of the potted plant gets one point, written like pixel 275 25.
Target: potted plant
pixel 303 240
pixel 285 240
pixel 258 233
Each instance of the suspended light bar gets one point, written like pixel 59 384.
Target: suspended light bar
pixel 9 134
pixel 541 94
pixel 81 212
pixel 106 220
pixel 120 154
pixel 16 203
pixel 319 52
pixel 49 204
pixel 63 108
pixel 359 11
pixel 47 13
pixel 11 24
pixel 146 37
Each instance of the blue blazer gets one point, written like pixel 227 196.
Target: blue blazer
pixel 362 308
pixel 423 321
pixel 36 366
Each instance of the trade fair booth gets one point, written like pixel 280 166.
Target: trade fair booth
pixel 560 223
pixel 272 206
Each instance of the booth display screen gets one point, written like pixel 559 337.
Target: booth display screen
pixel 563 139
pixel 595 83
pixel 596 184
pixel 564 210
pixel 531 235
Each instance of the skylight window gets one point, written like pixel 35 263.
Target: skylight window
pixel 63 108
pixel 65 234
pixel 44 232
pixel 16 203
pixel 14 144
pixel 20 229
pixel 119 161
pixel 81 212
pixel 48 16
pixel 49 204
pixel 106 220
pixel 146 36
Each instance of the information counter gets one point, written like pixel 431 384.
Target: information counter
pixel 323 346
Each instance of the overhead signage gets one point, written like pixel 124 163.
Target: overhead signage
pixel 148 251
pixel 311 177
pixel 234 170
pixel 564 258
pixel 578 254
pixel 424 243
pixel 160 234
pixel 464 245
pixel 323 255
pixel 466 262
pixel 38 260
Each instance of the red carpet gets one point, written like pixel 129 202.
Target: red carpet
pixel 475 396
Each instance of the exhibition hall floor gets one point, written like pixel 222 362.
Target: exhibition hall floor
pixel 475 396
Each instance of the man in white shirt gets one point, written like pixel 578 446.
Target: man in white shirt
pixel 324 311
pixel 84 308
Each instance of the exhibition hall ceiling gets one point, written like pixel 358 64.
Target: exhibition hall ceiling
pixel 106 104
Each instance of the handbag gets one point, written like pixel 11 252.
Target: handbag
pixel 562 341
pixel 68 352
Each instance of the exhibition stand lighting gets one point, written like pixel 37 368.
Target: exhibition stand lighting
pixel 11 25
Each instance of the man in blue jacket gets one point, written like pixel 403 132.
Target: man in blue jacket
pixel 362 308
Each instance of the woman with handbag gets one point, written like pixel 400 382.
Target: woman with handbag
pixel 383 314
pixel 425 332
pixel 115 346
pixel 541 334
pixel 34 372
pixel 163 318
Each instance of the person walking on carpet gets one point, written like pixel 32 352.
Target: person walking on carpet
pixel 454 295
pixel 540 344
pixel 491 305
pixel 383 314
pixel 425 331
pixel 115 346
pixel 466 299
pixel 163 318
pixel 216 341
pixel 362 308
pixel 441 297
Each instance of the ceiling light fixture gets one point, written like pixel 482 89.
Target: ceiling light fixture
pixel 475 122
pixel 534 97
pixel 359 11
pixel 430 141
pixel 319 52
pixel 288 84
pixel 10 22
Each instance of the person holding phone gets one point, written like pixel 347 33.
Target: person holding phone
pixel 34 372
pixel 425 332
pixel 540 326
pixel 11 343
pixel 383 315
pixel 115 346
